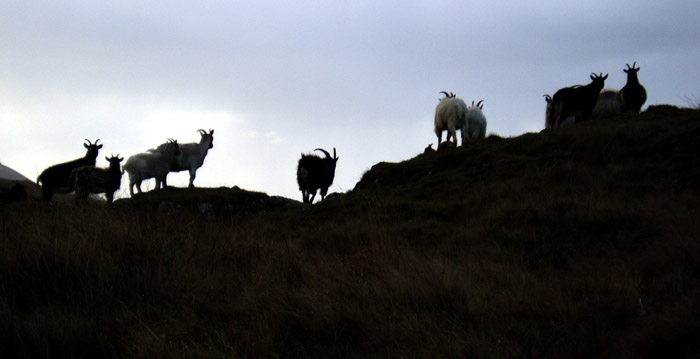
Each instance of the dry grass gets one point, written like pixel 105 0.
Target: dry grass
pixel 577 243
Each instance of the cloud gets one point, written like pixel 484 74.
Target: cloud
pixel 275 79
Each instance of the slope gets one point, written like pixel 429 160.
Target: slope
pixel 575 243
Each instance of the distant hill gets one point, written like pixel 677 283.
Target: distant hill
pixel 10 174
pixel 9 178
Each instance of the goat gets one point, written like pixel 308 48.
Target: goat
pixel 633 95
pixel 155 164
pixel 88 179
pixel 552 112
pixel 55 178
pixel 314 173
pixel 448 95
pixel 608 104
pixel 549 114
pixel 192 154
pixel 569 101
pixel 475 123
pixel 450 115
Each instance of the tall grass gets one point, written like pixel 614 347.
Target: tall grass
pixel 558 245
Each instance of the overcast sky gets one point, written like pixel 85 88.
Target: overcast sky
pixel 275 79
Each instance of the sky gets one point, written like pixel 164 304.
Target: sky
pixel 275 79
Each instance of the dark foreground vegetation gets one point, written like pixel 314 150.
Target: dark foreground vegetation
pixel 575 243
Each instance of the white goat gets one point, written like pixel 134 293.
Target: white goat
pixel 192 154
pixel 450 115
pixel 475 124
pixel 146 165
pixel 608 104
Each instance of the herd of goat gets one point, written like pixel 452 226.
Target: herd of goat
pixel 580 103
pixel 567 106
pixel 84 178
pixel 314 173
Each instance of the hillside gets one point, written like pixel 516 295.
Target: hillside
pixel 7 173
pixel 574 243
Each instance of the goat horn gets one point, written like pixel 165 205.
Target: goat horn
pixel 446 94
pixel 88 141
pixel 328 155
pixel 479 103
pixel 201 131
pixel 334 156
pixel 634 64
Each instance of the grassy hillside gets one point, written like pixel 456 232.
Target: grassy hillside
pixel 575 243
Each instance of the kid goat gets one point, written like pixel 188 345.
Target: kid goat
pixel 314 172
pixel 55 178
pixel 475 126
pixel 88 179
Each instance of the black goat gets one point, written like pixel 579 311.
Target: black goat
pixel 90 179
pixel 573 100
pixel 55 178
pixel 633 95
pixel 314 172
